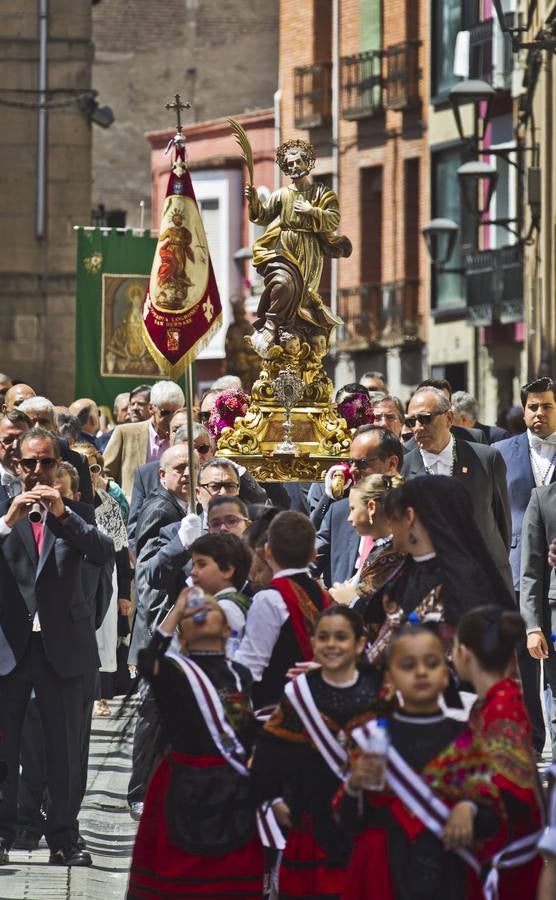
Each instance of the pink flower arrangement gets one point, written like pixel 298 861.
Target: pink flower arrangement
pixel 356 410
pixel 227 407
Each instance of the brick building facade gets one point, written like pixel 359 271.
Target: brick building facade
pixel 381 66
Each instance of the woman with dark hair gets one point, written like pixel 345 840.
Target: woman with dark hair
pixel 448 568
pixel 484 648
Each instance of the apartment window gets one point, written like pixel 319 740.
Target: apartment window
pixel 371 225
pixel 446 22
pixel 448 288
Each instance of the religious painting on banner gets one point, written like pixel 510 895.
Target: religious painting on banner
pixel 182 308
pixel 112 275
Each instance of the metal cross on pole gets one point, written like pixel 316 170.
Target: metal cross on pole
pixel 178 106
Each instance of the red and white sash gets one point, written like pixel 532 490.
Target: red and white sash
pixel 223 735
pixel 299 694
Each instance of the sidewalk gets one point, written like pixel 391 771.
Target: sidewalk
pixel 105 824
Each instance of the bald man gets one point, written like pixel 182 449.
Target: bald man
pixel 86 410
pixel 17 394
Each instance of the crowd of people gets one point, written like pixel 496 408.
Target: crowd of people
pixel 339 696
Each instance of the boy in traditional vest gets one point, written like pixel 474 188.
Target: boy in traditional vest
pixel 220 566
pixel 282 617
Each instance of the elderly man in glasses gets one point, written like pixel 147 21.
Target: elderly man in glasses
pixel 47 637
pixel 136 443
pixel 480 467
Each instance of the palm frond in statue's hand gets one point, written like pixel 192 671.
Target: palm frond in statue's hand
pixel 243 141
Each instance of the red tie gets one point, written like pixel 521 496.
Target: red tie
pixel 38 534
pixel 367 546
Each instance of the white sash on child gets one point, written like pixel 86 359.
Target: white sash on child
pixel 414 793
pixel 225 738
pixel 299 694
pixel 517 853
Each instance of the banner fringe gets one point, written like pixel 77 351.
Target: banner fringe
pixel 175 370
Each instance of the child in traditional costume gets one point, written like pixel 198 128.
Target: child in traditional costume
pixel 417 838
pixel 301 757
pixel 220 566
pixel 483 650
pixel 282 617
pixel 197 834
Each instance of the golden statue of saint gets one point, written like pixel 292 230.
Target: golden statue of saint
pixel 302 220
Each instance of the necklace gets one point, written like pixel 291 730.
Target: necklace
pixel 345 684
pixel 419 720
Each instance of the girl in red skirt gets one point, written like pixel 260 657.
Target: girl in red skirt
pixel 405 849
pixel 197 835
pixel 300 757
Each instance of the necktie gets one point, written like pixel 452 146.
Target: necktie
pixel 38 534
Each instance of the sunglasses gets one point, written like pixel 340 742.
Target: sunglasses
pixel 422 418
pixel 165 412
pixel 8 442
pixel 202 448
pixel 30 463
pixel 362 463
pixel 95 469
pixel 214 487
pixel 226 521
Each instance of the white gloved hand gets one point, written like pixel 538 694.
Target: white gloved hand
pixel 190 529
pixel 330 477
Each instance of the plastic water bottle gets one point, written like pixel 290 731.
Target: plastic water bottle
pixel 377 748
pixel 232 644
pixel 196 597
pixel 413 618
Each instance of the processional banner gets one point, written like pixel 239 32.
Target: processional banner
pixel 112 276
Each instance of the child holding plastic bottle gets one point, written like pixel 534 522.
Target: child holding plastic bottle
pixel 423 809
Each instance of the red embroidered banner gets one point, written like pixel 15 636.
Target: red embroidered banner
pixel 182 307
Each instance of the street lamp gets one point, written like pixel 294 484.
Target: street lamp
pixel 545 39
pixel 472 91
pixel 472 176
pixel 440 237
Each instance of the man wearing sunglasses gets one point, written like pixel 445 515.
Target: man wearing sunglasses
pixel 137 443
pixel 47 637
pixel 480 467
pixel 374 451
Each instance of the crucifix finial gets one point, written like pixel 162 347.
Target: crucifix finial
pixel 178 106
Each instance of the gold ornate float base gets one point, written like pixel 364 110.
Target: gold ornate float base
pixel 291 406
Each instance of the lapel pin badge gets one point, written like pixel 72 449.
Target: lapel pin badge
pixel 464 470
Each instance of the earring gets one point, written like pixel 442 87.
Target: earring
pixel 411 537
pixel 370 519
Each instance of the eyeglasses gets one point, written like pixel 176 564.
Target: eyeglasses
pixel 215 487
pixel 202 448
pixel 423 418
pixel 165 412
pixel 95 469
pixel 362 463
pixel 226 521
pixel 8 442
pixel 30 463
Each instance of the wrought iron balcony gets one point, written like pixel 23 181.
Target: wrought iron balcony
pixel 361 84
pixel 313 95
pixel 482 62
pixel 402 75
pixel 383 314
pixel 494 285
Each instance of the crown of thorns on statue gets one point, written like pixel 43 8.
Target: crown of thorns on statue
pixel 304 147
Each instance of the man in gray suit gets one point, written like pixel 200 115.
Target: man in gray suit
pixel 479 467
pixel 537 599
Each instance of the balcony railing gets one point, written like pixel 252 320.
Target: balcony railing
pixel 402 75
pixel 482 61
pixel 494 285
pixel 361 84
pixel 384 314
pixel 313 95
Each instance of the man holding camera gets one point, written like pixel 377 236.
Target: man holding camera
pixel 47 637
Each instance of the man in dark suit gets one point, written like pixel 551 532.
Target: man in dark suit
pixel 529 459
pixel 47 639
pixel 466 411
pixel 480 468
pixel 373 451
pixel 537 598
pixel 12 424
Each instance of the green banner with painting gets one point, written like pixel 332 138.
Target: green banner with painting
pixel 113 269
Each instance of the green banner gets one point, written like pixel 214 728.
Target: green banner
pixel 113 269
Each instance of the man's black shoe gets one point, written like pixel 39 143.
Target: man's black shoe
pixel 26 840
pixel 70 856
pixel 4 855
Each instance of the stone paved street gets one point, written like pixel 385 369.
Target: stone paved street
pixel 105 825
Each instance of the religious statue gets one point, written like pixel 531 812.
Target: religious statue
pixel 302 219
